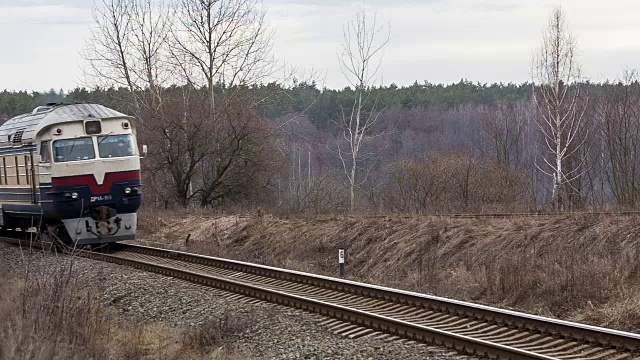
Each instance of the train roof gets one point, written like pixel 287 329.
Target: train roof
pixel 22 129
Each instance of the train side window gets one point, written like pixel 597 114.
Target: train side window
pixel 4 166
pixel 17 170
pixel 45 153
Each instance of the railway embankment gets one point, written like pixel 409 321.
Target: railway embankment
pixel 577 268
pixel 60 306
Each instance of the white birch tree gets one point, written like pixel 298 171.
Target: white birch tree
pixel 360 59
pixel 561 108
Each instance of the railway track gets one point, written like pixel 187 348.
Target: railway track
pixel 462 215
pixel 521 215
pixel 362 310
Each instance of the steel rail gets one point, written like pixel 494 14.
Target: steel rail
pixel 367 319
pixel 606 338
pixel 401 215
pixel 512 215
pixel 512 328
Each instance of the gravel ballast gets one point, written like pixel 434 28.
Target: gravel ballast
pixel 255 330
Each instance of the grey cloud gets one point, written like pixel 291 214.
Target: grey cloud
pixel 347 3
pixel 68 21
pixel 38 3
pixel 488 6
pixel 35 12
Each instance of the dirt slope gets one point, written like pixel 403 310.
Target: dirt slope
pixel 583 269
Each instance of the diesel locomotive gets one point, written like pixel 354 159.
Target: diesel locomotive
pixel 71 171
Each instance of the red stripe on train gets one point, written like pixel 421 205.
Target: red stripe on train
pixel 109 179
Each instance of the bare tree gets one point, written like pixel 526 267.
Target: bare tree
pixel 150 28
pixel 107 51
pixel 199 162
pixel 222 43
pixel 241 157
pixel 362 49
pixel 181 141
pixel 620 121
pixel 207 148
pixel 128 48
pixel 222 46
pixel 557 94
pixel 504 126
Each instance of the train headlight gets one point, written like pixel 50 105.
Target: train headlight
pixel 127 190
pixel 73 195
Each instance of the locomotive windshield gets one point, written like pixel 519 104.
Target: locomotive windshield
pixel 73 149
pixel 115 146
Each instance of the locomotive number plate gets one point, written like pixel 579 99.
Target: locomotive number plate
pixel 101 198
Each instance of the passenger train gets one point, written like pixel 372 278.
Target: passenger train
pixel 73 171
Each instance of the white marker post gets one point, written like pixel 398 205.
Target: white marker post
pixel 341 261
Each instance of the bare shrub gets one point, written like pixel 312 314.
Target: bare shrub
pixel 415 187
pixel 319 195
pixel 218 334
pixel 454 182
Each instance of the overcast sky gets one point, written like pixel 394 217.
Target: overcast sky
pixel 434 40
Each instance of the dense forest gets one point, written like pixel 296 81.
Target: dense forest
pixel 443 148
pixel 224 131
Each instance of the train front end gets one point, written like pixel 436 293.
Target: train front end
pixel 90 179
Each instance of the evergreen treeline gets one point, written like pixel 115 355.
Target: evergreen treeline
pixel 321 105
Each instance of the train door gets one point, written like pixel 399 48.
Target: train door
pixel 44 164
pixel 32 178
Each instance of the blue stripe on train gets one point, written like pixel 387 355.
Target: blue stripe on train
pixel 17 151
pixel 56 205
pixel 22 210
pixel 53 203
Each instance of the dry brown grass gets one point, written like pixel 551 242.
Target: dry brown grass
pixel 581 268
pixel 171 229
pixel 48 315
